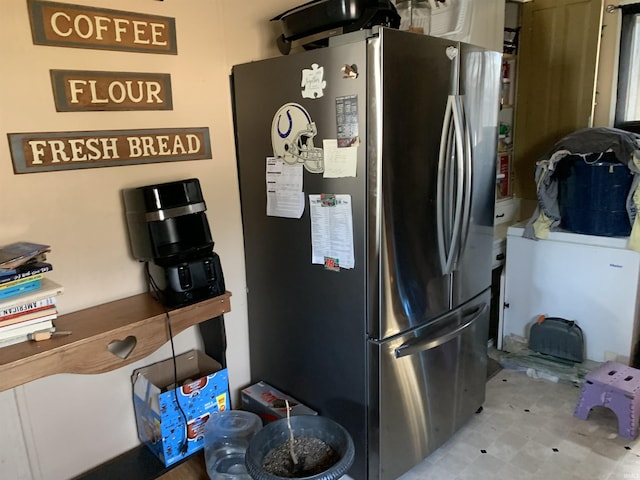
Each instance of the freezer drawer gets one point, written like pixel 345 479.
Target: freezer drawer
pixel 429 383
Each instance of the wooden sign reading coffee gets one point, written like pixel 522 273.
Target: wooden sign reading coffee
pixel 64 25
pixel 84 90
pixel 43 152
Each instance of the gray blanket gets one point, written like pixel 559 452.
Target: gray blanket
pixel 586 142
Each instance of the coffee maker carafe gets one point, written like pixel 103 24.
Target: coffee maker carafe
pixel 168 230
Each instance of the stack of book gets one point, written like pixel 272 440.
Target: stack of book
pixel 27 296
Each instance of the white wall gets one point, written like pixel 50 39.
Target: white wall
pixel 487 27
pixel 60 426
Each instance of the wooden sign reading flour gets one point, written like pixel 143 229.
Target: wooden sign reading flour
pixel 84 90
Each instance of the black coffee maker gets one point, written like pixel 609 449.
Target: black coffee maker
pixel 168 229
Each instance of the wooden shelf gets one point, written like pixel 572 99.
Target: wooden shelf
pixel 140 463
pixel 138 321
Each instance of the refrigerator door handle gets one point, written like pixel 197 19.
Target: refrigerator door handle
pixel 467 169
pixel 440 214
pixel 430 341
pixel 449 215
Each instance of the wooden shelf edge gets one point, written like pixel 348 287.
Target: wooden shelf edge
pixel 138 321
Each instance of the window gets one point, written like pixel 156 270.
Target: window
pixel 628 103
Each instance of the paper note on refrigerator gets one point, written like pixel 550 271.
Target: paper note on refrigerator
pixel 339 162
pixel 284 189
pixel 332 230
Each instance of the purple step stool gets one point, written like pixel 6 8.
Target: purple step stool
pixel 617 387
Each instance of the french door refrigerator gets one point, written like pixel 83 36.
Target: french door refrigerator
pixel 389 336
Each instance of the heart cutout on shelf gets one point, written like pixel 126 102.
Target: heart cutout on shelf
pixel 123 348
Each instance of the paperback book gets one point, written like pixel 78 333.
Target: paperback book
pixel 19 289
pixel 20 330
pixel 20 281
pixel 27 326
pixel 22 338
pixel 37 314
pixel 19 253
pixel 27 307
pixel 48 288
pixel 24 271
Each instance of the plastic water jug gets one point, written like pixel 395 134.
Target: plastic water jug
pixel 226 438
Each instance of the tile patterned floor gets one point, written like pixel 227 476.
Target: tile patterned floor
pixel 527 431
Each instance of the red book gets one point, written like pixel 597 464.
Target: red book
pixel 48 312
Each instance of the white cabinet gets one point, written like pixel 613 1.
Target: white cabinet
pixel 592 280
pixel 506 213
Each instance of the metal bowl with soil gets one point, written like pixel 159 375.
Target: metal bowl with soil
pixel 322 450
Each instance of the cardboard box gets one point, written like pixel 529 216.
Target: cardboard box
pixel 269 403
pixel 204 390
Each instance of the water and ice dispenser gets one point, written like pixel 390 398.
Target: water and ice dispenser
pixel 168 228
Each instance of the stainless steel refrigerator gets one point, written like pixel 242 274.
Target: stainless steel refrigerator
pixel 393 346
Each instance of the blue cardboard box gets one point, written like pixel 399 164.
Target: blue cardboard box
pixel 203 389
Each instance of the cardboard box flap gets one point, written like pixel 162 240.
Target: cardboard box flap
pixel 189 365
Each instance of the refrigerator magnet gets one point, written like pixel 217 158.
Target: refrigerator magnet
pixel 349 71
pixel 327 200
pixel 347 120
pixel 292 134
pixel 332 264
pixel 313 83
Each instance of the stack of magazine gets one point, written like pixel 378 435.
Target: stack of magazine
pixel 27 295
